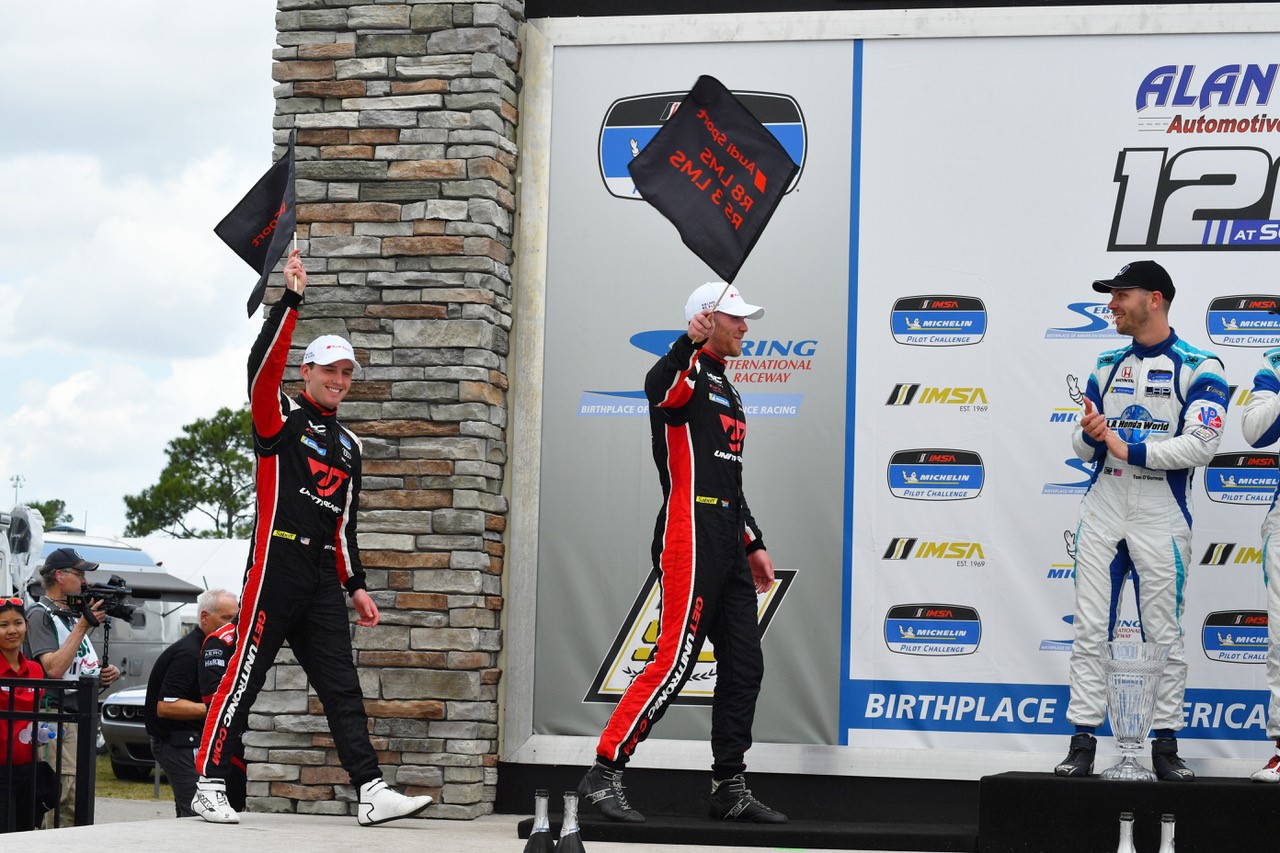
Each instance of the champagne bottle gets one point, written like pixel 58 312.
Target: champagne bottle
pixel 1166 833
pixel 1126 834
pixel 540 840
pixel 570 838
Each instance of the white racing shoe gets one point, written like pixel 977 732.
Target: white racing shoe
pixel 1269 773
pixel 379 804
pixel 210 802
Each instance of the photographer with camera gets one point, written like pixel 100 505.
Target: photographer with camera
pixel 58 637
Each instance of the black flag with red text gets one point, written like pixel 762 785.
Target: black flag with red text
pixel 259 228
pixel 717 173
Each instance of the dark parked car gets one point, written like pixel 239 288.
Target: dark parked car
pixel 125 732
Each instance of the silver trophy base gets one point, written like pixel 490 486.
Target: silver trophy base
pixel 1128 770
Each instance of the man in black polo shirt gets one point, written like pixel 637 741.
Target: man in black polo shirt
pixel 175 708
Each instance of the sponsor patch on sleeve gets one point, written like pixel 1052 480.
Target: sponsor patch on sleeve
pixel 1203 433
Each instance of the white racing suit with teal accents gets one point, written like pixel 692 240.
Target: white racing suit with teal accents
pixel 1261 427
pixel 1167 403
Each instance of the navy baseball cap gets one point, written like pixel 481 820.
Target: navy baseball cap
pixel 1147 275
pixel 66 559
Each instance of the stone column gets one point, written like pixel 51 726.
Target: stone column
pixel 406 119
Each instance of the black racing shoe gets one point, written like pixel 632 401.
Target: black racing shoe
pixel 1079 760
pixel 1165 761
pixel 602 787
pixel 731 800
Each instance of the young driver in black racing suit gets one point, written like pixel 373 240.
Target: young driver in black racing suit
pixel 307 478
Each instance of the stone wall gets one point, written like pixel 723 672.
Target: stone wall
pixel 406 119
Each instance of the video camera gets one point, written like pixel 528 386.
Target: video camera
pixel 113 594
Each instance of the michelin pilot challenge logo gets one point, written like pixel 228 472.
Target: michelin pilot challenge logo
pixel 936 474
pixel 1236 636
pixel 1244 321
pixel 938 321
pixel 1242 478
pixel 932 629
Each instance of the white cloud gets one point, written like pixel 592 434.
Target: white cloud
pixel 126 266
pixel 130 129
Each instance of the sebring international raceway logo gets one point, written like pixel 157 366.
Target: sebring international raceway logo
pixel 1081 470
pixel 938 321
pixel 1244 321
pixel 761 375
pixel 634 645
pixel 631 122
pixel 1209 195
pixel 1098 323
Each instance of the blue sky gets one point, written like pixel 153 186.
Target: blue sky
pixel 131 128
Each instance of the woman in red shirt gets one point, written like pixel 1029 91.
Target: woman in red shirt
pixel 17 738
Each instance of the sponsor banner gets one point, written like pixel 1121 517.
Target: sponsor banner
pixel 1027 709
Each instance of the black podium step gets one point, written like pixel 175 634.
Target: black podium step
pixel 823 835
pixel 1041 813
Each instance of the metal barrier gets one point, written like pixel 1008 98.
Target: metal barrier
pixel 22 777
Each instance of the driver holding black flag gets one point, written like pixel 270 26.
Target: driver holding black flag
pixel 58 638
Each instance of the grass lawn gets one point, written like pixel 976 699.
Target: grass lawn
pixel 107 785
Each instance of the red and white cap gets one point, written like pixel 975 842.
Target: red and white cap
pixel 731 303
pixel 327 349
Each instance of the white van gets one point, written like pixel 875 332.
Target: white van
pixel 133 645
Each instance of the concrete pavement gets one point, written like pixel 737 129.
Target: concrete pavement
pixel 126 826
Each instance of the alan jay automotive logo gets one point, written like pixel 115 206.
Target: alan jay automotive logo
pixel 767 365
pixel 1202 197
pixel 631 122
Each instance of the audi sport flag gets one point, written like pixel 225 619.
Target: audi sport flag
pixel 260 227
pixel 717 173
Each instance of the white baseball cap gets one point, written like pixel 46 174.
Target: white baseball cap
pixel 731 303
pixel 327 349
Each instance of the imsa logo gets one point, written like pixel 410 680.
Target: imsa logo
pixel 908 393
pixel 1236 636
pixel 932 629
pixel 636 642
pixel 905 548
pixel 1249 479
pixel 1225 553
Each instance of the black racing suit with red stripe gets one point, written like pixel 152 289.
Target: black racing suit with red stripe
pixel 703 533
pixel 307 477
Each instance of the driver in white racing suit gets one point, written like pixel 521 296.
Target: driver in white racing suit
pixel 1153 413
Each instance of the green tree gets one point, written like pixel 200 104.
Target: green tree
pixel 206 489
pixel 53 511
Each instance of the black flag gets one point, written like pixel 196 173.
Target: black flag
pixel 717 173
pixel 260 227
